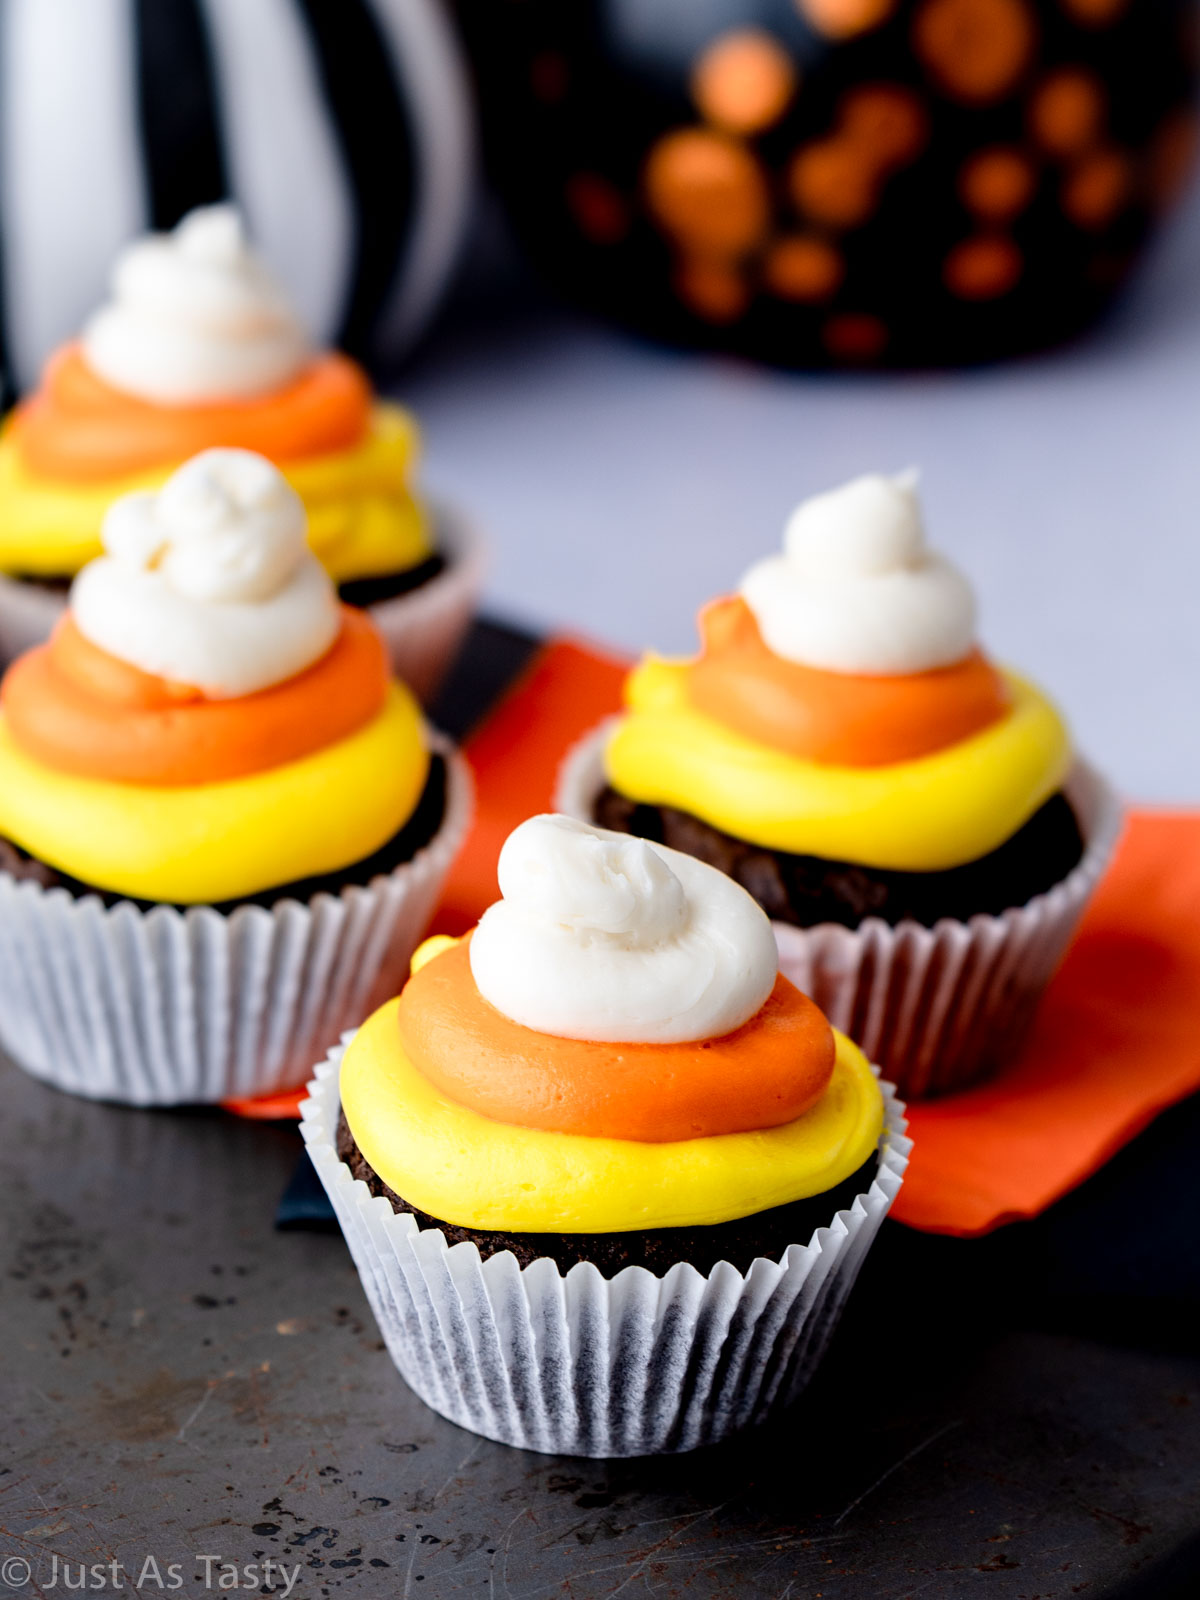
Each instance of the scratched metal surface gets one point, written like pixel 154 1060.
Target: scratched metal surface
pixel 181 1381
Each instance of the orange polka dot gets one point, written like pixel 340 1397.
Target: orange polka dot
pixel 975 49
pixel 982 268
pixel 708 191
pixel 886 121
pixel 997 184
pixel 713 290
pixel 855 336
pixel 842 19
pixel 598 207
pixel 803 268
pixel 1097 189
pixel 744 80
pixel 1171 157
pixel 1094 13
pixel 1066 113
pixel 834 182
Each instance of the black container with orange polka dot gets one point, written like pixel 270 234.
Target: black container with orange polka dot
pixel 838 182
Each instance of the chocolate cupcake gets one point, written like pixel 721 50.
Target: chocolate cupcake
pixel 913 818
pixel 223 825
pixel 198 349
pixel 606 1173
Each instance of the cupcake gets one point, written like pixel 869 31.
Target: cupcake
pixel 199 349
pixel 607 1175
pixel 911 816
pixel 223 827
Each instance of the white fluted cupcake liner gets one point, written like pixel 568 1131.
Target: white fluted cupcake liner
pixel 28 612
pixel 580 1364
pixel 167 1006
pixel 424 629
pixel 938 1008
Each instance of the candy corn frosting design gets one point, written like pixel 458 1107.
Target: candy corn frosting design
pixel 199 348
pixel 207 721
pixel 611 1049
pixel 840 707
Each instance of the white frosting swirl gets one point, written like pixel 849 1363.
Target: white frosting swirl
pixel 210 581
pixel 195 317
pixel 858 590
pixel 603 936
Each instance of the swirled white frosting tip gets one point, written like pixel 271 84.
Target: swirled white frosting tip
pixel 872 524
pixel 215 234
pixel 195 317
pixel 605 937
pixel 857 589
pixel 210 581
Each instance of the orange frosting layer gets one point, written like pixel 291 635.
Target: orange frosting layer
pixel 836 718
pixel 79 429
pixel 766 1073
pixel 76 708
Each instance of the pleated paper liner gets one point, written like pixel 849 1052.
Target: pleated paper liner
pixel 580 1364
pixel 167 1006
pixel 424 629
pixel 939 1008
pixel 28 612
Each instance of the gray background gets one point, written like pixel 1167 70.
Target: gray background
pixel 622 485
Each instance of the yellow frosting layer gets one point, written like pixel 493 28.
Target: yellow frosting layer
pixel 222 841
pixel 919 816
pixel 364 520
pixel 466 1169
